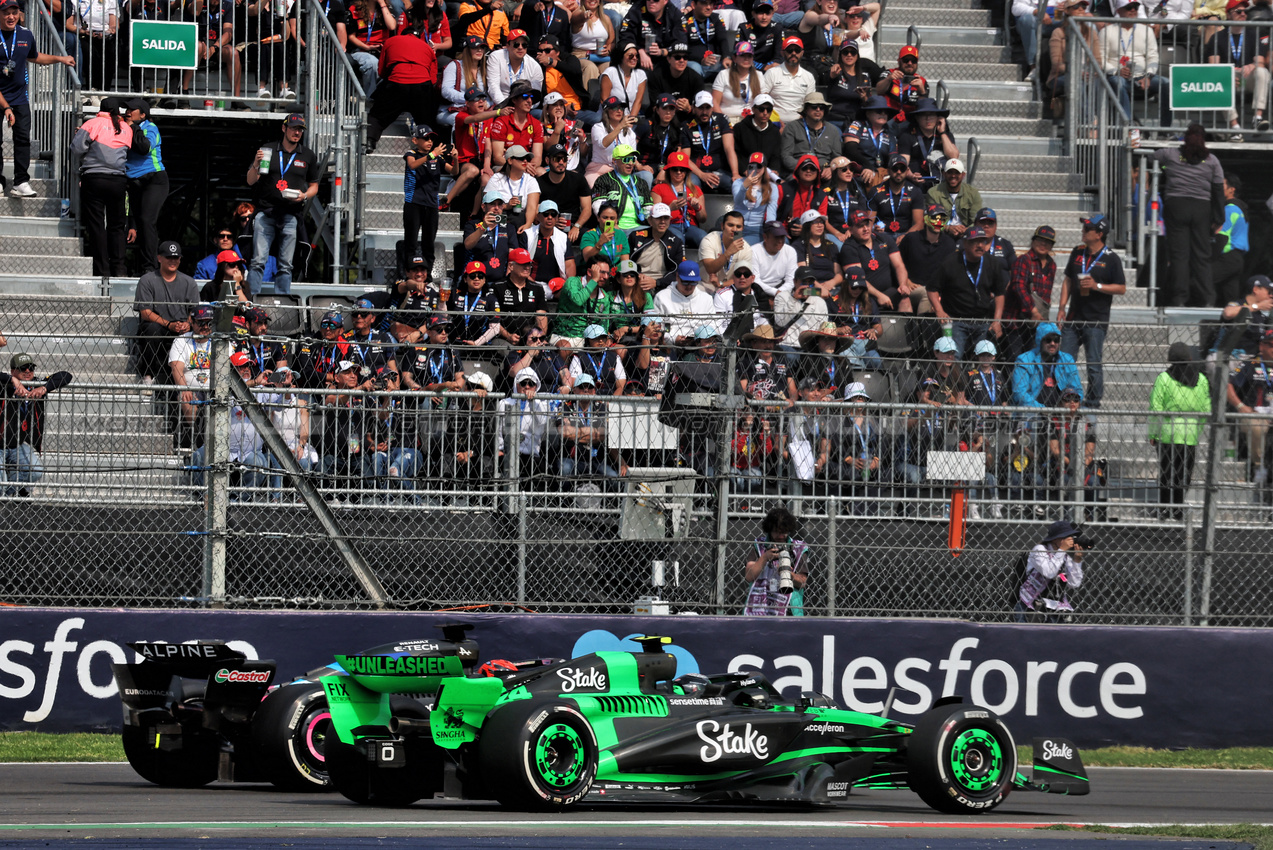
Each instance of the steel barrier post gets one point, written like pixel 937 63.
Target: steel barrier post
pixel 216 464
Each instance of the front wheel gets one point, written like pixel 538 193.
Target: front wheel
pixel 961 760
pixel 542 754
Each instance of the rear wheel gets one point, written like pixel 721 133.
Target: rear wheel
pixel 192 764
pixel 362 781
pixel 539 756
pixel 290 731
pixel 961 760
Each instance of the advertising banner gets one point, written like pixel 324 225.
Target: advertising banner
pixel 1098 685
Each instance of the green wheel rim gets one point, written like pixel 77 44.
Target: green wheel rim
pixel 976 759
pixel 560 756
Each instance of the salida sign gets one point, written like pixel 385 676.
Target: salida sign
pixel 164 44
pixel 1201 87
pixel 1094 685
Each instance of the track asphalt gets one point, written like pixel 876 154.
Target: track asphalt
pixel 107 805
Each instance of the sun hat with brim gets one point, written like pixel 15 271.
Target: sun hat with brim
pixel 927 106
pixel 764 332
pixel 857 389
pixel 827 330
pixel 1060 530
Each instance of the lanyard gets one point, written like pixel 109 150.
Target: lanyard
pixel 1125 49
pixel 636 196
pixel 928 150
pixel 990 389
pixel 517 193
pixel 436 368
pixel 468 308
pixel 892 205
pixel 330 358
pixel 371 23
pixel 259 351
pixel 362 349
pixel 283 169
pixel 703 137
pixel 877 140
pixel 976 282
pixel 550 17
pixel 667 137
pixel 698 30
pixel 845 204
pixel 1085 268
pixel 857 314
pixel 596 370
pixel 807 135
pixel 861 436
pixel 520 71
pixel 1236 53
pixel 10 48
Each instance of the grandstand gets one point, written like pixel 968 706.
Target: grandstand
pixel 110 444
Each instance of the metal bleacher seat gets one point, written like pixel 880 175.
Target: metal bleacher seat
pixel 320 304
pixel 286 318
pixel 879 386
pixel 488 367
pixel 892 341
pixel 717 206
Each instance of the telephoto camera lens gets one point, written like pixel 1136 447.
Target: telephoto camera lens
pixel 785 584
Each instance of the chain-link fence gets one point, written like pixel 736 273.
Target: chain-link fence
pixel 370 476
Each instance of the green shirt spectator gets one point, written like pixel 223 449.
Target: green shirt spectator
pixel 580 299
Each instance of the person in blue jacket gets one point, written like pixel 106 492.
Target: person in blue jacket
pixel 147 187
pixel 224 240
pixel 1045 372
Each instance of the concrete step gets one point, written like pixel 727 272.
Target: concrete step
pixel 987 89
pixel 911 14
pixel 97 443
pixel 893 32
pixel 977 71
pixel 381 162
pixel 384 183
pixel 42 265
pixel 1034 200
pixel 35 226
pixel 962 110
pixel 1022 164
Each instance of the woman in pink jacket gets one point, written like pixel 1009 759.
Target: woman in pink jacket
pixel 102 144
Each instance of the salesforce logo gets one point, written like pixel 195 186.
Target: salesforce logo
pixel 600 640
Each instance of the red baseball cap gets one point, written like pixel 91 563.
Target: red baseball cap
pixel 678 160
pixel 520 256
pixel 908 50
pixel 757 158
pixel 859 217
pixel 556 283
pixel 792 41
pixel 239 358
pixel 475 266
pixel 513 35
pixel 229 257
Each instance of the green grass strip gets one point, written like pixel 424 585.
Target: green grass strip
pixel 1259 837
pixel 75 746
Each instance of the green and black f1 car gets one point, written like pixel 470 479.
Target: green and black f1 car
pixel 409 721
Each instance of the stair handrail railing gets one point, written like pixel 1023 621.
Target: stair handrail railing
pixel 1097 133
pixel 54 96
pixel 1039 13
pixel 941 94
pixel 913 37
pixel 336 123
pixel 974 157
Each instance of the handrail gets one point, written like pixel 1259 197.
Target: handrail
pixel 912 33
pixel 1039 12
pixel 54 96
pixel 1074 35
pixel 974 157
pixel 942 94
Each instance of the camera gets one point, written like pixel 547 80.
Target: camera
pixel 1084 541
pixel 785 583
pixel 380 384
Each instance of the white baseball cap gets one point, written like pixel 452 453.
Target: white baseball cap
pixel 985 347
pixel 945 345
pixel 480 379
pixel 955 164
pixel 857 389
pixel 660 211
pixel 553 97
pixel 703 98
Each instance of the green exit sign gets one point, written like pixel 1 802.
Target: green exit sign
pixel 1202 87
pixel 164 44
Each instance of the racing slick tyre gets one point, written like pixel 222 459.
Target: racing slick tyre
pixel 192 764
pixel 540 756
pixel 363 781
pixel 961 759
pixel 290 732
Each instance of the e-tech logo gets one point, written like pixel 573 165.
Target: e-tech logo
pixel 92 675
pixel 600 640
pixel 224 676
pixel 998 685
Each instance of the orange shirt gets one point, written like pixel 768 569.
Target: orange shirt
pixel 554 80
pixel 492 29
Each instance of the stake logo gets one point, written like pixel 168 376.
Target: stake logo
pixel 580 680
pixel 1057 751
pixel 725 742
pixel 223 676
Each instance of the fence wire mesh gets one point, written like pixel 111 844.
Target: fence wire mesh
pixel 551 501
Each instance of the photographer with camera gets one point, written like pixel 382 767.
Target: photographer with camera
pixel 777 574
pixel 1048 572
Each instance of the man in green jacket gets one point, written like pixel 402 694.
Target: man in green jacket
pixel 578 301
pixel 627 190
pixel 958 198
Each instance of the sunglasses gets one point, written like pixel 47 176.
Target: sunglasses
pixel 527 384
pixel 203 323
pixel 526 158
pixel 808 168
pixel 544 50
pixel 794 50
pixel 32 368
pixel 331 326
pixel 549 214
pixel 534 338
pixel 362 314
pixel 522 44
pixel 741 273
pixel 225 235
pixel 680 56
pixel 1051 340
pixel 901 167
pixel 814 106
pixel 526 95
pixel 475 276
pixel 627 159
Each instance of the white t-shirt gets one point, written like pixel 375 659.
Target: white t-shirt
pixel 774 271
pixel 866 41
pixel 603 154
pixel 684 315
pixel 732 107
pixel 710 248
pixel 196 356
pixel 522 188
pixel 627 93
pixel 500 75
